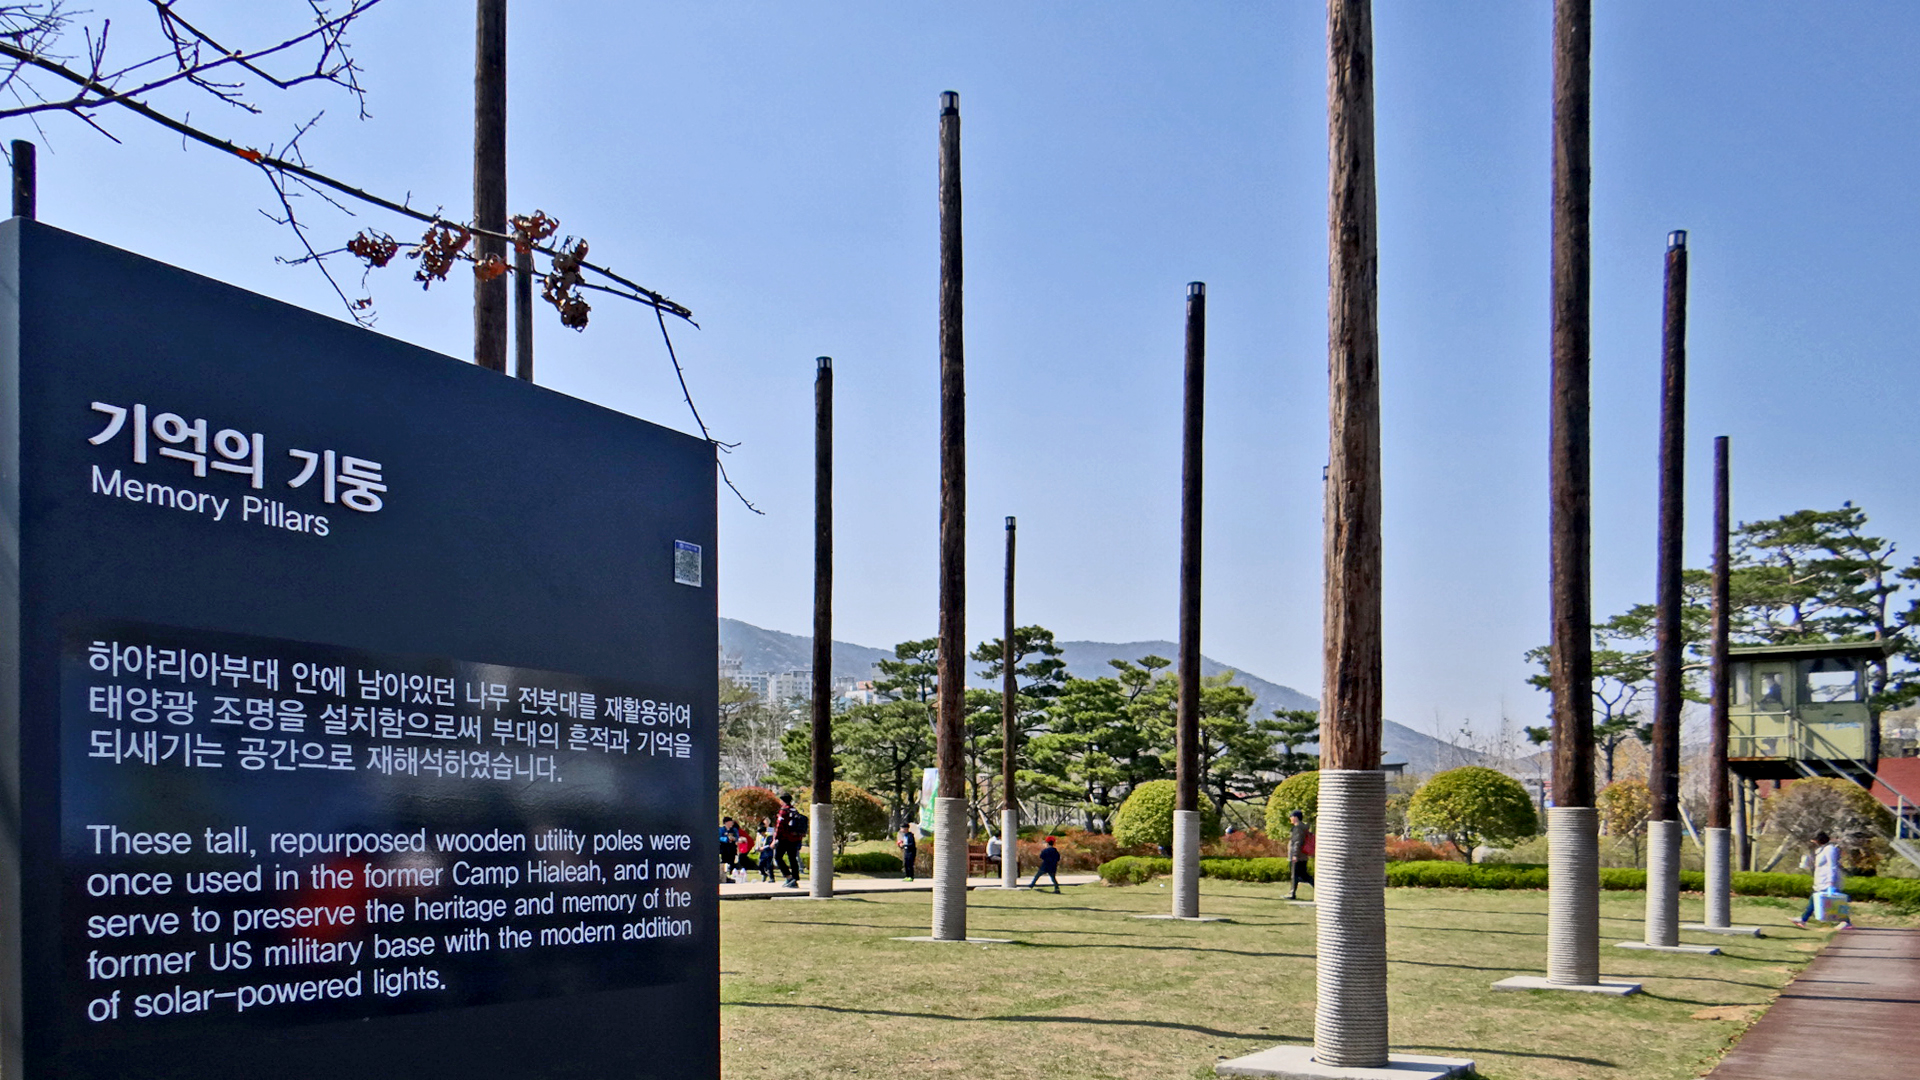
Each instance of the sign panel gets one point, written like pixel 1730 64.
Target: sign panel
pixel 359 704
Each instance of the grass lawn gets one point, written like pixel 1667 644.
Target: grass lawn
pixel 820 989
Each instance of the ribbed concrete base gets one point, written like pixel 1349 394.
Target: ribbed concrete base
pixel 1186 863
pixel 1719 852
pixel 950 869
pixel 1615 987
pixel 1663 884
pixel 820 868
pixel 1573 896
pixel 1704 950
pixel 1350 924
pixel 1009 849
pixel 1735 931
pixel 1296 1063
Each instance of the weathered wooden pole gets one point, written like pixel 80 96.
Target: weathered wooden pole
pixel 26 185
pixel 1663 773
pixel 490 179
pixel 1719 864
pixel 523 315
pixel 1350 1021
pixel 1186 771
pixel 820 873
pixel 1573 828
pixel 950 807
pixel 1009 732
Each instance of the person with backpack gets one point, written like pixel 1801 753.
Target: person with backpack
pixel 789 832
pixel 1049 865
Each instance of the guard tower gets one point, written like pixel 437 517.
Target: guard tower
pixel 1801 710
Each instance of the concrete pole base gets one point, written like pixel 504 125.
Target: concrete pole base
pixel 959 941
pixel 1009 849
pixel 1350 920
pixel 950 869
pixel 820 838
pixel 1573 896
pixel 1297 1063
pixel 1186 864
pixel 1719 852
pixel 1663 884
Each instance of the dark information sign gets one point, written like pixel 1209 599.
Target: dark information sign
pixel 359 704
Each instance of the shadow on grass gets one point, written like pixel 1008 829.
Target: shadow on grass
pixel 1464 1050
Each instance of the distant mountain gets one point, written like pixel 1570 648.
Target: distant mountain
pixel 1421 753
pixel 771 650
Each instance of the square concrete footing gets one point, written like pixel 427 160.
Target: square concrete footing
pixel 1615 987
pixel 1301 903
pixel 1187 918
pixel 1736 931
pixel 1296 1063
pixel 957 941
pixel 1703 950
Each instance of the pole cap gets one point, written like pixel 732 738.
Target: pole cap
pixel 1009 523
pixel 1196 289
pixel 1677 240
pixel 949 102
pixel 824 363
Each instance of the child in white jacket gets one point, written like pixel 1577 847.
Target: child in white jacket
pixel 1826 877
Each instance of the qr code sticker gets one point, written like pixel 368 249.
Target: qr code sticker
pixel 686 563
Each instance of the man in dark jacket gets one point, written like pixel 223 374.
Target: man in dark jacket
pixel 789 832
pixel 1297 840
pixel 1049 865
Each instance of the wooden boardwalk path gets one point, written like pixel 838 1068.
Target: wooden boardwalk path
pixel 1851 1015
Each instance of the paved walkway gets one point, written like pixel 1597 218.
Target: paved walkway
pixel 1851 1015
pixel 760 890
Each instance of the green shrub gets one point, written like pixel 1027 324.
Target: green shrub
pixel 1134 869
pixel 1301 792
pixel 1147 817
pixel 866 862
pixel 1258 869
pixel 1474 805
pixel 858 814
pixel 1456 875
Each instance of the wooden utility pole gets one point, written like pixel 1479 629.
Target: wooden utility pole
pixel 1669 642
pixel 1350 1020
pixel 1719 862
pixel 1573 825
pixel 1663 772
pixel 523 315
pixel 490 179
pixel 1009 732
pixel 821 871
pixel 26 197
pixel 1186 771
pixel 950 814
pixel 1571 515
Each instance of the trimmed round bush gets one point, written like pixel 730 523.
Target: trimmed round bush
pixel 1474 805
pixel 749 805
pixel 1147 816
pixel 858 814
pixel 1301 792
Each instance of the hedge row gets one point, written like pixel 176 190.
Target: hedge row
pixel 1136 870
pixel 866 862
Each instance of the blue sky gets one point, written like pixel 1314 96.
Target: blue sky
pixel 773 167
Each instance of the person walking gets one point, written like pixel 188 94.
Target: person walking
pixel 909 846
pixel 1826 881
pixel 1299 847
pixel 729 846
pixel 1049 865
pixel 789 832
